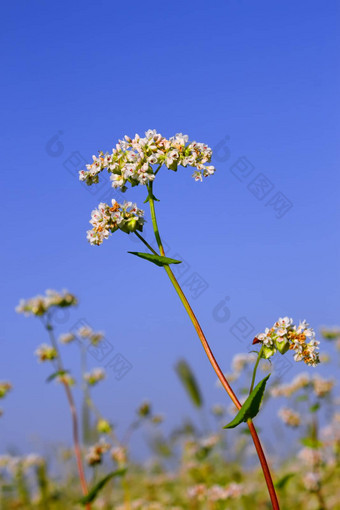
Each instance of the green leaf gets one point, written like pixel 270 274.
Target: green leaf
pixel 56 374
pixel 148 198
pixel 159 260
pixel 311 443
pixel 314 408
pixel 91 496
pixel 251 406
pixel 301 398
pixel 189 382
pixel 282 482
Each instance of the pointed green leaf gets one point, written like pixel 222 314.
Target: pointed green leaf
pixel 314 407
pixel 91 496
pixel 148 198
pixel 311 443
pixel 56 374
pixel 251 406
pixel 189 382
pixel 282 482
pixel 159 260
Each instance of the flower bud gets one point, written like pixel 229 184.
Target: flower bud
pixel 282 346
pixel 103 426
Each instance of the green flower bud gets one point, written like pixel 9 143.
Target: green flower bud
pixel 104 427
pixel 268 352
pixel 283 346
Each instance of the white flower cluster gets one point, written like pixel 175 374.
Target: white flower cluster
pixel 39 305
pixel 289 417
pixel 13 463
pixel 46 352
pixel 284 335
pixel 107 219
pixel 5 387
pixel 83 333
pixel 96 375
pixel 201 492
pixel 132 160
pixel 95 453
pixel 320 386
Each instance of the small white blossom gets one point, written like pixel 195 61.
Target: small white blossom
pixel 132 160
pixel 284 335
pixel 107 219
pixel 96 375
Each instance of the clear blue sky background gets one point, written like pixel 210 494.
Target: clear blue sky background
pixel 78 76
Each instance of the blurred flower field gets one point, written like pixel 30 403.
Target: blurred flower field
pixel 191 467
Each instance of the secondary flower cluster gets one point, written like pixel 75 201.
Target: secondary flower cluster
pixel 321 387
pixel 132 160
pixel 5 387
pixel 39 305
pixel 46 352
pixel 96 375
pixel 83 333
pixel 290 417
pixel 284 335
pixel 107 219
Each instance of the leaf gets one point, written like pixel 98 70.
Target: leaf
pixel 301 398
pixel 282 482
pixel 251 406
pixel 159 260
pixel 189 382
pixel 311 443
pixel 91 496
pixel 56 374
pixel 314 407
pixel 148 198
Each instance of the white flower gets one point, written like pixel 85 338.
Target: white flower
pixel 46 352
pixel 285 335
pixel 132 159
pixel 39 305
pixel 96 375
pixel 107 219
pixel 290 417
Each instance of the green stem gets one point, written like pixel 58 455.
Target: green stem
pixel 259 356
pixel 154 220
pixel 74 415
pixel 211 357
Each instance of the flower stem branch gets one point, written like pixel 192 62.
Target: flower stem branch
pixel 211 357
pixel 259 356
pixel 74 416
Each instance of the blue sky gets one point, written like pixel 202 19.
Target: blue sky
pixel 259 82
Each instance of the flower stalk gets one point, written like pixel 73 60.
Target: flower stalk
pixel 210 355
pixel 74 414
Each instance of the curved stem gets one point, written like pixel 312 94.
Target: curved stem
pixel 74 416
pixel 211 357
pixel 255 370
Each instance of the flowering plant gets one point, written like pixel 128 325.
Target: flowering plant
pixel 137 161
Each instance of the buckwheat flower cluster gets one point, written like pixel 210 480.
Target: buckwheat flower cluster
pixel 66 338
pixel 119 455
pixel 46 353
pixel 39 305
pixel 66 379
pixel 289 417
pixel 284 336
pixel 132 160
pixel 96 375
pixel 107 219
pixel 321 386
pixel 95 453
pixel 287 390
pixel 312 481
pixel 87 333
pixel 5 387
